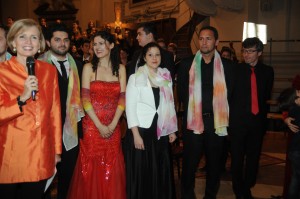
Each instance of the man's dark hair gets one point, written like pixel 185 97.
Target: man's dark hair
pixel 149 27
pixel 125 49
pixel 5 29
pixel 253 42
pixel 161 40
pixel 174 46
pixel 76 21
pixel 226 49
pixel 57 27
pixel 213 29
pixel 84 41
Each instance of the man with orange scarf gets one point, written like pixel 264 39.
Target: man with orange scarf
pixel 58 40
pixel 206 113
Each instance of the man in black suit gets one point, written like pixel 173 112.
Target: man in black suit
pixel 85 56
pixel 58 41
pixel 248 116
pixel 208 140
pixel 147 33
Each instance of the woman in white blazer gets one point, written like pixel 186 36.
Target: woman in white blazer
pixel 152 122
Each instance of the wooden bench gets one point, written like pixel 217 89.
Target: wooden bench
pixel 275 116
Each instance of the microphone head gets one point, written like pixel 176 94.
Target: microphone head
pixel 29 61
pixel 30 65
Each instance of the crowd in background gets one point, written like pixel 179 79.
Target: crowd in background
pixel 81 46
pixel 93 66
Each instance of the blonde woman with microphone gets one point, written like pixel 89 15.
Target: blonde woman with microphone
pixel 30 133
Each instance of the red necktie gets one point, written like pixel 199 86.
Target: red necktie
pixel 254 101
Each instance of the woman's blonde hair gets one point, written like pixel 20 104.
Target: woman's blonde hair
pixel 20 26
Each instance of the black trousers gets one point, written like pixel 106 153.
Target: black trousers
pixel 193 147
pixel 24 190
pixel 66 167
pixel 65 171
pixel 246 146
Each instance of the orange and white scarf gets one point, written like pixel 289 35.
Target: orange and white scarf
pixel 220 103
pixel 74 110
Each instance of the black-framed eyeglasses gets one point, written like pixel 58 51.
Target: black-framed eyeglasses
pixel 248 51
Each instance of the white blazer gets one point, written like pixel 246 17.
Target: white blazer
pixel 140 104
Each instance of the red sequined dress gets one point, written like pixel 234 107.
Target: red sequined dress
pixel 100 169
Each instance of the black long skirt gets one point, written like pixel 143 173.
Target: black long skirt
pixel 148 172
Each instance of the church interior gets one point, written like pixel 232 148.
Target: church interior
pixel 179 22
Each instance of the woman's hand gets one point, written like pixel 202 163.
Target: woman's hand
pixel 172 137
pixel 111 127
pixel 294 128
pixel 104 131
pixel 138 142
pixel 31 84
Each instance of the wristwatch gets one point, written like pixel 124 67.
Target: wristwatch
pixel 20 103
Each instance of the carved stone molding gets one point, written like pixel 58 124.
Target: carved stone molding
pixel 57 9
pixel 148 10
pixel 138 3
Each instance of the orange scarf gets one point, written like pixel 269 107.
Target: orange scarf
pixel 74 110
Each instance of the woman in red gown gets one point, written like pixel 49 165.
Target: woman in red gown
pixel 100 172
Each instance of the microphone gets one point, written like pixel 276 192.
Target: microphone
pixel 30 66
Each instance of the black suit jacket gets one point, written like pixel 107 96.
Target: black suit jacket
pixel 79 64
pixel 240 107
pixel 166 62
pixel 80 58
pixel 183 68
pixel 183 82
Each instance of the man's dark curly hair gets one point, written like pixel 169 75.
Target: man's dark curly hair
pixel 149 27
pixel 253 42
pixel 57 27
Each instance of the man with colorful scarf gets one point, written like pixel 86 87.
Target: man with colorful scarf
pixel 206 113
pixel 248 116
pixel 58 41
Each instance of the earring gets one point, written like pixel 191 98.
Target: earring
pixel 14 50
pixel 39 51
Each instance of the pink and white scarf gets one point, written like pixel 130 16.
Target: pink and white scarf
pixel 220 103
pixel 167 120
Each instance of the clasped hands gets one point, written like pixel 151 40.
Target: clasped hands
pixel 106 131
